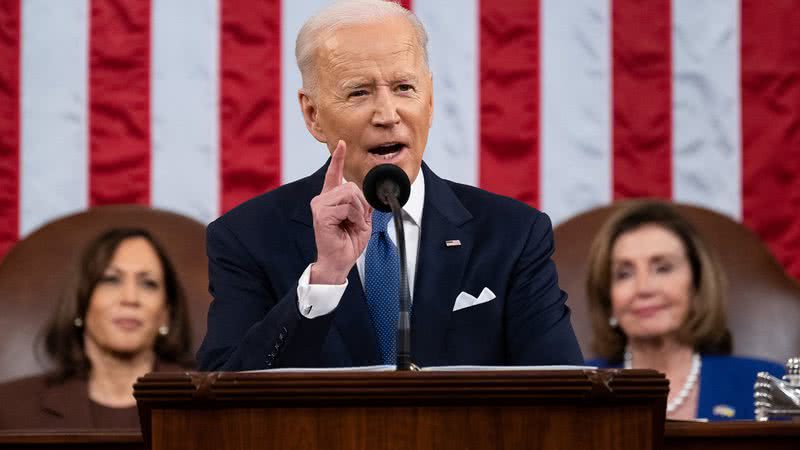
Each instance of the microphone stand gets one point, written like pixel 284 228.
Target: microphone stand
pixel 404 320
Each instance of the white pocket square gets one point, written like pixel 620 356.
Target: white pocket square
pixel 465 300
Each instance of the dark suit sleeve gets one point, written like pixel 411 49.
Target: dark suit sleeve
pixel 538 327
pixel 249 326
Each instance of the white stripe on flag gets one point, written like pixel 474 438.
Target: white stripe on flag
pixel 706 104
pixel 185 114
pixel 452 150
pixel 576 101
pixel 53 150
pixel 301 153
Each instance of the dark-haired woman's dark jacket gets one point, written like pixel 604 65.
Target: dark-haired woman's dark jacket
pixel 37 402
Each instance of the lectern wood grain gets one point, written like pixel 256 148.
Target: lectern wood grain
pixel 404 410
pixel 683 435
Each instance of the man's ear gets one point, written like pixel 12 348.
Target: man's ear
pixel 310 116
pixel 430 119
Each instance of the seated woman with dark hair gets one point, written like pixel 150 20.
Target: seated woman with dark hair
pixel 124 316
pixel 657 301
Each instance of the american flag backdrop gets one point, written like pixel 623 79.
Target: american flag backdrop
pixel 190 105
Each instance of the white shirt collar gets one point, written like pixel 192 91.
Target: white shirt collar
pixel 413 207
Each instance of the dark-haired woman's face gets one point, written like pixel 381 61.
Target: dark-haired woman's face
pixel 128 304
pixel 651 282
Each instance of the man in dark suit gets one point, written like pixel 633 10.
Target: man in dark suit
pixel 293 272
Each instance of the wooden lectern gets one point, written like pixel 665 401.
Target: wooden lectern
pixel 437 410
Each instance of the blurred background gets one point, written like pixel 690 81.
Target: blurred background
pixel 191 105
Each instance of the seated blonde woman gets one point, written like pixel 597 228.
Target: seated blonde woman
pixel 124 316
pixel 657 300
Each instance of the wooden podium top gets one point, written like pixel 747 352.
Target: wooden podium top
pixel 387 410
pixel 326 388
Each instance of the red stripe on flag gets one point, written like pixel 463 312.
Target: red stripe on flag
pixel 10 17
pixel 770 61
pixel 406 4
pixel 642 93
pixel 509 98
pixel 250 86
pixel 119 102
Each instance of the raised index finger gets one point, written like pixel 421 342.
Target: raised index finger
pixel 333 177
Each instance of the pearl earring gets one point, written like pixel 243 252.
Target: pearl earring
pixel 78 322
pixel 613 322
pixel 163 330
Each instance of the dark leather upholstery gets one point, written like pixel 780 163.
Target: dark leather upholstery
pixel 33 273
pixel 763 301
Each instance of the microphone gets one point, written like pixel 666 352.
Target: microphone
pixel 387 188
pixel 384 182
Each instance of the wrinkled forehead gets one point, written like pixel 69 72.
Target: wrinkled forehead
pixel 382 41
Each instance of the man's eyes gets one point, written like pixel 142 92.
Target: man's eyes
pixel 358 93
pixel 405 87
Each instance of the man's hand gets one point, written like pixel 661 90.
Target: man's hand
pixel 342 224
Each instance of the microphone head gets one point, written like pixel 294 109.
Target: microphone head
pixel 386 179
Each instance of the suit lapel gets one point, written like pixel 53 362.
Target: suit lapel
pixel 355 325
pixel 440 268
pixel 351 319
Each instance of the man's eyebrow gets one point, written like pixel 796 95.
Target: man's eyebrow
pixel 354 84
pixel 406 76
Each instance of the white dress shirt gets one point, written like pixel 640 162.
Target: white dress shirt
pixel 316 300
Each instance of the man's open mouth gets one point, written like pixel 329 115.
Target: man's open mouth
pixel 387 151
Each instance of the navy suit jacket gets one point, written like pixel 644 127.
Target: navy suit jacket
pixel 258 251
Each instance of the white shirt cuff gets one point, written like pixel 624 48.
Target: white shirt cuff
pixel 316 300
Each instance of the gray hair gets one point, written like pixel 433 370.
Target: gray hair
pixel 348 12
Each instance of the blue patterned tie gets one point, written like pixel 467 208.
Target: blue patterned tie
pixel 382 285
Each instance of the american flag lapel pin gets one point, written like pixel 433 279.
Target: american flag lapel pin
pixel 452 243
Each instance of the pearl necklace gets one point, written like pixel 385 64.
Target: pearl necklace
pixel 688 385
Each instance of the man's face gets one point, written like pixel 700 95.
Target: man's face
pixel 373 91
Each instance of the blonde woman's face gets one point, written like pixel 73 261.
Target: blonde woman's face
pixel 128 304
pixel 651 282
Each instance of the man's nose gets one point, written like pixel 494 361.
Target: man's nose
pixel 385 114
